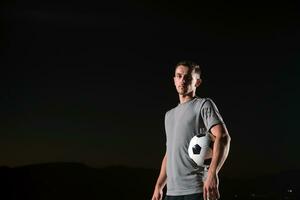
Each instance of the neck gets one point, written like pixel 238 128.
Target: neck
pixel 186 97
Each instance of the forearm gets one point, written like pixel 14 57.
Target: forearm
pixel 220 150
pixel 162 178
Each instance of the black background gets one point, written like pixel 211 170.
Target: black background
pixel 89 82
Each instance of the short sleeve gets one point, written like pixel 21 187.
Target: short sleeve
pixel 210 114
pixel 166 117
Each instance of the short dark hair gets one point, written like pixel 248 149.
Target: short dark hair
pixel 191 65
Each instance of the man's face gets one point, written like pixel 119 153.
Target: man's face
pixel 185 80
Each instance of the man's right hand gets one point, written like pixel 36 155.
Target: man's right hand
pixel 161 181
pixel 158 194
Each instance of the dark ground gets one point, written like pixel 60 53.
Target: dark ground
pixel 78 181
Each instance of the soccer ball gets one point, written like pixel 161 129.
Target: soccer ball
pixel 201 148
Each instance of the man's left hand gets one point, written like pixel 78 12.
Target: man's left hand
pixel 210 187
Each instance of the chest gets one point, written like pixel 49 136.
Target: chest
pixel 181 124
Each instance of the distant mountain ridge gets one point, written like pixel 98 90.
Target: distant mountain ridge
pixel 79 181
pixel 75 181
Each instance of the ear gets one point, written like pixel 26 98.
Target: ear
pixel 174 80
pixel 198 82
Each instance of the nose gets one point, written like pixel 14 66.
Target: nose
pixel 183 80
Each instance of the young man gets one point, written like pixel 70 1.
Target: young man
pixel 193 115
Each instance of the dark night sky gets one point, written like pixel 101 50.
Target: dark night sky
pixel 90 82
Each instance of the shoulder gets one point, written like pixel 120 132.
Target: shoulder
pixel 205 102
pixel 169 112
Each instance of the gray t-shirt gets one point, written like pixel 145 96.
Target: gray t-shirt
pixel 183 122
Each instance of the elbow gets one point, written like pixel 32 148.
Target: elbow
pixel 225 138
pixel 228 139
pixel 221 134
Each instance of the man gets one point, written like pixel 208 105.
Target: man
pixel 193 115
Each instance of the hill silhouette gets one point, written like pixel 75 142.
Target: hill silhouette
pixel 75 181
pixel 78 181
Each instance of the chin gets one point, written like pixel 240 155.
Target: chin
pixel 182 93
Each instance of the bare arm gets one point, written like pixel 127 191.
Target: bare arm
pixel 161 180
pixel 221 147
pixel 220 153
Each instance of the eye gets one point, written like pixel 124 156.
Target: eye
pixel 178 76
pixel 189 78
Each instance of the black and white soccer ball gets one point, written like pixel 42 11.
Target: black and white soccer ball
pixel 201 148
